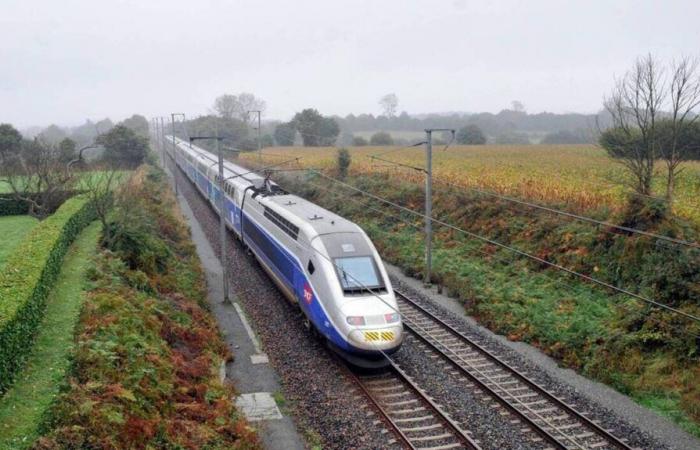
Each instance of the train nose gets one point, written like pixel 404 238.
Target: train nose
pixel 377 338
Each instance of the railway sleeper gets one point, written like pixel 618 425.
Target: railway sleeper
pixel 434 437
pixel 394 395
pixel 407 411
pixel 434 426
pixel 413 419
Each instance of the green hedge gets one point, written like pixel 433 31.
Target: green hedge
pixel 10 206
pixel 30 272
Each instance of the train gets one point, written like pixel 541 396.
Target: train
pixel 322 263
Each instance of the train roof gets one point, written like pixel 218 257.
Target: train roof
pixel 233 169
pixel 317 219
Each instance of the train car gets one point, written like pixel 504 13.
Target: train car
pixel 320 261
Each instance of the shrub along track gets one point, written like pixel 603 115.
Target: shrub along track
pixel 318 389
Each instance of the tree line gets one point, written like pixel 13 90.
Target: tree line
pixel 43 171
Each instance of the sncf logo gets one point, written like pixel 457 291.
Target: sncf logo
pixel 308 294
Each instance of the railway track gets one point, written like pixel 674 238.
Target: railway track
pixel 416 420
pixel 558 423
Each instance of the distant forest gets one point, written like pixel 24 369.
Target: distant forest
pixel 507 125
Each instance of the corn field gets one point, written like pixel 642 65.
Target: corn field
pixel 577 177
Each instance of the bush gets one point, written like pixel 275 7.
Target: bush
pixel 344 160
pixel 381 138
pixel 24 286
pixel 359 141
pixel 11 206
pixel 471 135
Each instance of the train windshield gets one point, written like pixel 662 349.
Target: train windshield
pixel 357 274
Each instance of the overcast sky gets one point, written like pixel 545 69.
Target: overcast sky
pixel 68 60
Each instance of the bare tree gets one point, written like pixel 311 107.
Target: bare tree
pixel 40 178
pixel 685 98
pixel 99 182
pixel 634 107
pixel 231 106
pixel 226 106
pixel 389 103
pixel 249 102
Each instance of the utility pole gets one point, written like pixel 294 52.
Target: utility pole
pixel 259 139
pixel 429 200
pixel 161 138
pixel 175 171
pixel 222 209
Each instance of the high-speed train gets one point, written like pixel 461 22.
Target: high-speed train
pixel 320 261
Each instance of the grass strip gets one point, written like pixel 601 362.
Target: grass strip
pixel 22 407
pixel 13 229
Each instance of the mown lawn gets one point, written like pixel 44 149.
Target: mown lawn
pixel 22 407
pixel 12 231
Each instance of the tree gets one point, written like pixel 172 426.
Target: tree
pixel 470 135
pixel 229 106
pixel 103 126
pixel 517 106
pixel 285 134
pixel 98 181
pixel 138 124
pixel 226 106
pixel 40 178
pixel 123 147
pixel 359 141
pixel 66 150
pixel 344 161
pixel 389 104
pixel 53 134
pixel 249 102
pixel 10 145
pixel 233 131
pixel 315 130
pixel 266 140
pixel 641 131
pixel 684 96
pixel 328 131
pixel 381 138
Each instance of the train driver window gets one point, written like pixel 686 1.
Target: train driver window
pixel 311 267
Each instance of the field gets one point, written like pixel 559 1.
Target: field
pixel 576 177
pixel 12 230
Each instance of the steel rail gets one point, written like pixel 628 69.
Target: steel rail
pixel 454 428
pixel 512 371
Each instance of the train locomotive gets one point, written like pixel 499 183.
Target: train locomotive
pixel 320 261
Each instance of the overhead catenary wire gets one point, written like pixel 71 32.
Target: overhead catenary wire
pixel 518 251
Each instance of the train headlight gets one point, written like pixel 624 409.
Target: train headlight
pixel 392 318
pixel 356 320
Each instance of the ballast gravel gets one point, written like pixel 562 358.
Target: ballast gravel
pixel 634 436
